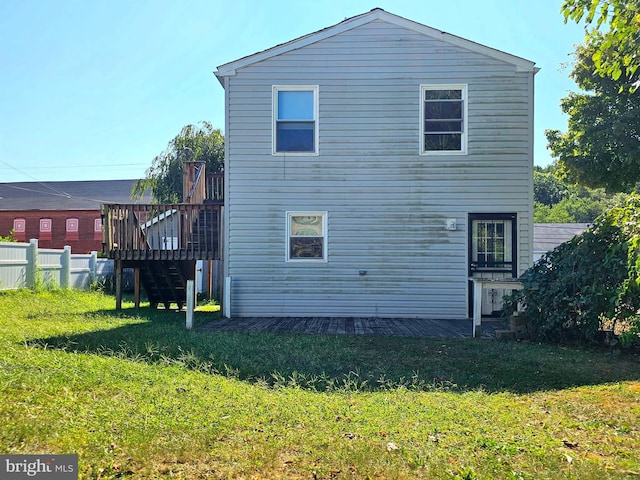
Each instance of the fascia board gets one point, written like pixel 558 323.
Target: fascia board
pixel 229 69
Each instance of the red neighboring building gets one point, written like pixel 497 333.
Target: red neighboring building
pixel 60 213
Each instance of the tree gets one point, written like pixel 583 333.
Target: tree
pixel 547 188
pixel 557 201
pixel 199 142
pixel 617 55
pixel 588 283
pixel 601 147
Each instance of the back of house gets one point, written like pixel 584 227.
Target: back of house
pixel 372 168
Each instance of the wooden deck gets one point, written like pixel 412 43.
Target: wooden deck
pixel 403 327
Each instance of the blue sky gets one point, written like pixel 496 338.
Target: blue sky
pixel 93 90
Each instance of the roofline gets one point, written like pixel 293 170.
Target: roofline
pixel 229 69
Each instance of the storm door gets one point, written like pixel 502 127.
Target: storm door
pixel 492 253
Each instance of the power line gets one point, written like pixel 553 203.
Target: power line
pixel 94 166
pixel 59 192
pixel 65 195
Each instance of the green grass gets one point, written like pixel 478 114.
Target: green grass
pixel 138 396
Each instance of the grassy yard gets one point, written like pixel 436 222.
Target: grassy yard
pixel 138 396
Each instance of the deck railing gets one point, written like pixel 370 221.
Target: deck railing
pixel 214 187
pixel 161 232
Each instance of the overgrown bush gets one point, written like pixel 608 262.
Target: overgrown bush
pixel 589 282
pixel 8 238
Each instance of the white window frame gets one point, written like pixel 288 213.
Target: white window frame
pixel 324 216
pixel 304 88
pixel 19 225
pixel 72 225
pixel 465 123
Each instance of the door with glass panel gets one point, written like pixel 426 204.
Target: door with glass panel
pixel 492 254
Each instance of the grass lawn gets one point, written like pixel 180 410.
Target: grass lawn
pixel 137 396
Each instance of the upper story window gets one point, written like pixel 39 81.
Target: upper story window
pixel 295 119
pixel 306 236
pixel 443 119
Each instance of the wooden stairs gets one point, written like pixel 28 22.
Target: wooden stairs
pixel 162 243
pixel 165 281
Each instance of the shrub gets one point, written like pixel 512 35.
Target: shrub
pixel 8 238
pixel 587 282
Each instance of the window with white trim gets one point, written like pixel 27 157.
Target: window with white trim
pixel 45 229
pixel 306 236
pixel 97 228
pixel 19 229
pixel 295 119
pixel 443 119
pixel 72 228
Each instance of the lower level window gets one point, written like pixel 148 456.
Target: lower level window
pixel 72 229
pixel 45 229
pixel 306 236
pixel 19 229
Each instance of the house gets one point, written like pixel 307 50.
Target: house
pixel 547 236
pixel 372 168
pixel 60 213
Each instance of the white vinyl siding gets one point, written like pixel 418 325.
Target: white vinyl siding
pixel 388 204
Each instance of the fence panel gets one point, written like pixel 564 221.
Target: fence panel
pixel 13 265
pixel 21 264
pixel 50 266
pixel 80 272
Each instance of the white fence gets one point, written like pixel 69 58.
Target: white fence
pixel 23 265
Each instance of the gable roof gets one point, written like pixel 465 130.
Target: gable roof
pixel 547 236
pixel 228 69
pixel 77 195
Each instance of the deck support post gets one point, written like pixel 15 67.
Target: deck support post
pixel 478 285
pixel 136 287
pixel 190 303
pixel 118 273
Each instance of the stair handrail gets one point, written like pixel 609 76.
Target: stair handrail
pixel 199 170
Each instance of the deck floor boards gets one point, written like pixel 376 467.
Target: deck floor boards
pixel 403 327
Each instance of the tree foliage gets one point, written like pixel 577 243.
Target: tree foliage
pixel 601 147
pixel 557 201
pixel 199 142
pixel 613 27
pixel 8 238
pixel 547 188
pixel 588 282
